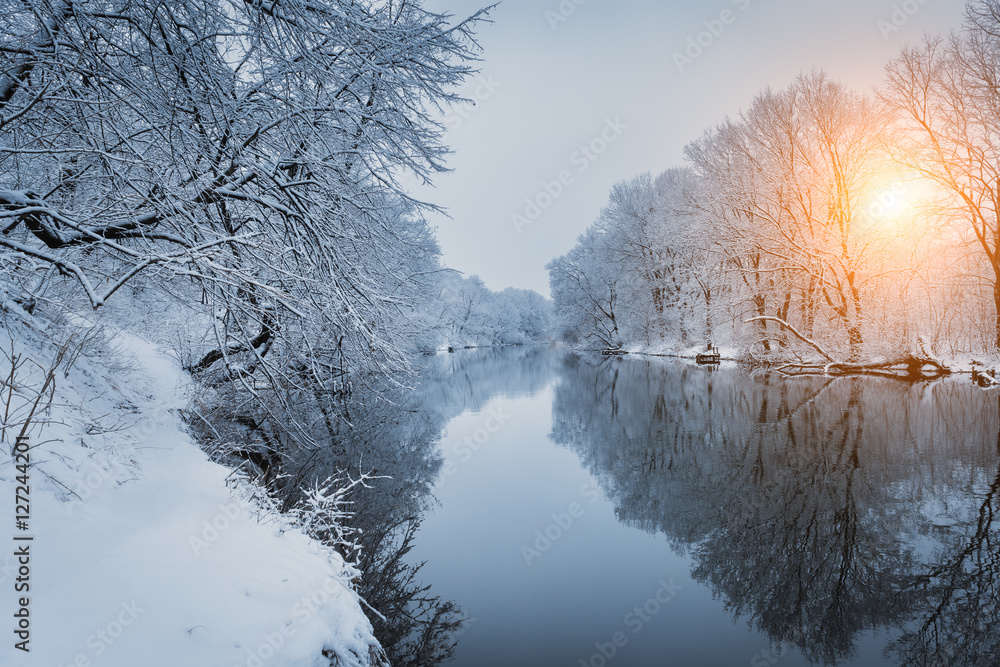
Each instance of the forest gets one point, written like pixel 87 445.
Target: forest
pixel 238 169
pixel 819 223
pixel 228 179
pixel 221 302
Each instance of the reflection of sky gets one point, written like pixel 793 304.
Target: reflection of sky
pixel 580 591
pixel 508 478
pixel 610 59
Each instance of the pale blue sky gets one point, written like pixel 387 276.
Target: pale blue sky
pixel 547 92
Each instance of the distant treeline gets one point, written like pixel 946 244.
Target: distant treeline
pixel 861 222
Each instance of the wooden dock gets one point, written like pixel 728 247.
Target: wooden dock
pixel 709 356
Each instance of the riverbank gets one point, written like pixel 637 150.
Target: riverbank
pixel 143 551
pixel 983 369
pixel 726 354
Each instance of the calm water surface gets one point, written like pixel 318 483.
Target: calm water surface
pixel 631 512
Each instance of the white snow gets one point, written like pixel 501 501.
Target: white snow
pixel 142 554
pixel 681 352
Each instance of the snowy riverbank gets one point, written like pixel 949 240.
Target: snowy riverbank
pixel 984 369
pixel 144 552
pixel 680 352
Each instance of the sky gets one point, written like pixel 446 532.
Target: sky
pixel 574 96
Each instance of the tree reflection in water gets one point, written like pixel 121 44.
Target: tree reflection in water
pixel 393 432
pixel 818 509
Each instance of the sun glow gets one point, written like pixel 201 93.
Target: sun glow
pixel 891 203
pixel 898 201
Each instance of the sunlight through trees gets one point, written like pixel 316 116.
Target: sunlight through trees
pixel 867 224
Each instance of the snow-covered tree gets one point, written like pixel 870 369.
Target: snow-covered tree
pixel 944 94
pixel 642 273
pixel 586 291
pixel 472 315
pixel 250 147
pixel 792 180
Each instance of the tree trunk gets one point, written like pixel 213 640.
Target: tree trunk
pixel 854 327
pixel 996 305
pixel 809 307
pixel 855 341
pixel 708 314
pixel 759 301
pixel 783 315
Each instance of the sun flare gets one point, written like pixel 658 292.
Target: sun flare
pixel 898 200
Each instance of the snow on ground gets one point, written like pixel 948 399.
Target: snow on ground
pixel 966 363
pixel 142 555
